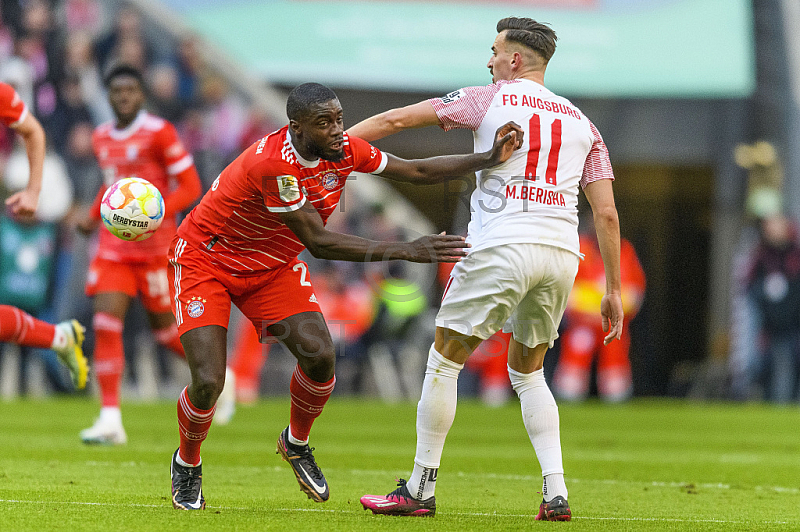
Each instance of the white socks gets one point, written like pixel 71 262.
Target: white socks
pixel 540 415
pixel 111 415
pixel 435 413
pixel 295 441
pixel 185 464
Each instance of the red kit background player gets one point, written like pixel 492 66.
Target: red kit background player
pixel 17 326
pixel 582 340
pixel 136 144
pixel 240 245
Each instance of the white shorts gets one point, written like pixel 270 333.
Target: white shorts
pixel 521 288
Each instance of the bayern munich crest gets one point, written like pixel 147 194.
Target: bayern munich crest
pixel 195 308
pixel 330 180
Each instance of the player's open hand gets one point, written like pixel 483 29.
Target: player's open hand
pixel 508 138
pixel 23 203
pixel 439 248
pixel 611 311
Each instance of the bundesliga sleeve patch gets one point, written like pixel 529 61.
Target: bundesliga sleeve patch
pixel 288 188
pixel 453 96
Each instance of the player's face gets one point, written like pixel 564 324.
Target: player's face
pixel 126 97
pixel 321 133
pixel 500 62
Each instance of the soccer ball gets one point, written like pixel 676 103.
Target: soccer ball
pixel 132 209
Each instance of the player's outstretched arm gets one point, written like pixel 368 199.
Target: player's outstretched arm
pixel 438 169
pixel 606 220
pixel 393 121
pixel 24 202
pixel 306 223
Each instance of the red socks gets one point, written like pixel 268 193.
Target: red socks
pixel 109 357
pixel 193 424
pixel 308 399
pixel 21 328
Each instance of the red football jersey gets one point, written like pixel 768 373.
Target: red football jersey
pixel 12 109
pixel 237 222
pixel 148 148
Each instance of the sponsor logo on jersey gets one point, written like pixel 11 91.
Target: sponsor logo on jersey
pixel 132 151
pixel 453 96
pixel 195 308
pixel 330 180
pixel 288 188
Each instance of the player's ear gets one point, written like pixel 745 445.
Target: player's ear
pixel 294 125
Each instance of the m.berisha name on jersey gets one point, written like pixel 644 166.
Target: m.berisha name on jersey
pixel 532 197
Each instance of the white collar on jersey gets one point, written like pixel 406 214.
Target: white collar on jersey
pixel 122 134
pixel 304 162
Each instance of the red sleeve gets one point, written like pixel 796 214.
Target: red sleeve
pixel 12 109
pixel 187 191
pixel 366 157
pixel 174 155
pixel 597 165
pixel 464 108
pixel 179 165
pixel 280 188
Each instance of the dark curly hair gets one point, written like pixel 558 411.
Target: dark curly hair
pixel 304 96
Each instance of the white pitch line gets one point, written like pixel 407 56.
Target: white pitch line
pixel 461 514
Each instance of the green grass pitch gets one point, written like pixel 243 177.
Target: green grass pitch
pixel 647 465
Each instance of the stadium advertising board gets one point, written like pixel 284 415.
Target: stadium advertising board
pixel 607 48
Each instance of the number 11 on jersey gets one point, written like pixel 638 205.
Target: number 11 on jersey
pixel 535 146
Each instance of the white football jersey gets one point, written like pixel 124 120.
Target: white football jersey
pixel 532 197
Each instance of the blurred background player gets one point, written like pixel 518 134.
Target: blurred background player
pixel 16 325
pixel 582 342
pixel 524 254
pixel 135 144
pixel 240 246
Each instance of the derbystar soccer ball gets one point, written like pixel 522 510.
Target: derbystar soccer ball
pixel 132 209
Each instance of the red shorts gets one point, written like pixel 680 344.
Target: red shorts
pixel 202 293
pixel 145 279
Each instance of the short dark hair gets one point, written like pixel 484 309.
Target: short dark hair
pixel 304 96
pixel 537 36
pixel 123 70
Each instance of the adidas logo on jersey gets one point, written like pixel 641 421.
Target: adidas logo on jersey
pixel 313 298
